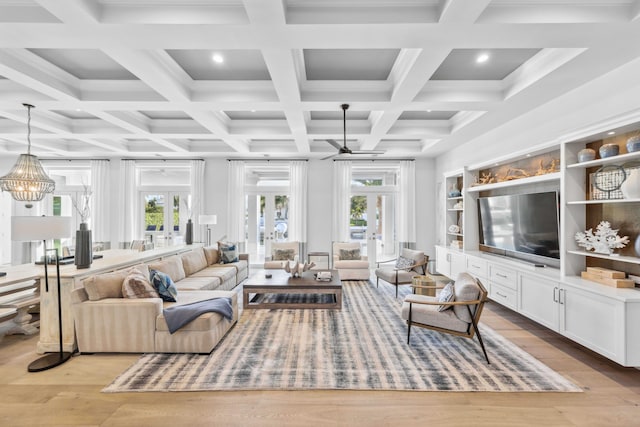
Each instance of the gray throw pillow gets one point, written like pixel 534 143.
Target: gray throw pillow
pixel 446 295
pixel 404 263
pixel 349 254
pixel 283 254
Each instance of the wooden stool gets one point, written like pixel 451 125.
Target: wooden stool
pixel 425 280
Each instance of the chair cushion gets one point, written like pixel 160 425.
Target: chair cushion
pixel 193 261
pixel 347 264
pixel 465 289
pixel 447 294
pixel 389 275
pixel 429 314
pixel 349 254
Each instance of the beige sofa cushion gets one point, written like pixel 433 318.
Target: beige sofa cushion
pixel 212 255
pixel 193 261
pixel 109 285
pixel 171 266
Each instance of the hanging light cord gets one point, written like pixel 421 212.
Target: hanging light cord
pixel 29 107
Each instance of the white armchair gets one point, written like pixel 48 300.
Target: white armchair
pixel 350 262
pixel 282 252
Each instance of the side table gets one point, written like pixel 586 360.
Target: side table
pixel 322 262
pixel 425 280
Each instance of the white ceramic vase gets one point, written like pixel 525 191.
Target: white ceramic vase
pixel 631 186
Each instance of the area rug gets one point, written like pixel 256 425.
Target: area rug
pixel 361 347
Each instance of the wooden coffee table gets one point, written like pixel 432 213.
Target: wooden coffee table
pixel 281 282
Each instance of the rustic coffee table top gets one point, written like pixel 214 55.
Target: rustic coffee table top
pixel 282 279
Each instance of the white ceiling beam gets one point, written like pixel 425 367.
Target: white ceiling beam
pixel 462 11
pixel 73 11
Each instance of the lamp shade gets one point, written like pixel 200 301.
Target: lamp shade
pixel 207 219
pixel 28 228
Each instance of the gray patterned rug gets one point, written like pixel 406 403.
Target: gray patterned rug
pixel 361 347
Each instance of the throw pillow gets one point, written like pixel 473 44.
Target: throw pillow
pixel 350 254
pixel 283 254
pixel 136 285
pixel 163 285
pixel 446 295
pixel 228 253
pixel 212 255
pixel 404 263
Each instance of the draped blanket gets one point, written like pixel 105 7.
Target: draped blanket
pixel 179 315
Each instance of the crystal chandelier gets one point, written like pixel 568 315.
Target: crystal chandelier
pixel 27 180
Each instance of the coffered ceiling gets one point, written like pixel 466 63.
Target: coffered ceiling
pixel 254 78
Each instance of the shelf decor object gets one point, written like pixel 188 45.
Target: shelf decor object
pixel 606 182
pixel 633 144
pixel 586 155
pixel 30 228
pixel 83 256
pixel 603 241
pixel 630 188
pixel 27 180
pixel 609 150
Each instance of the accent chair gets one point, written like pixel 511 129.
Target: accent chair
pixel 349 261
pixel 409 264
pixel 458 314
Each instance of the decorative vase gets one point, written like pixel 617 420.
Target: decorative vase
pixel 454 192
pixel 83 256
pixel 633 144
pixel 586 154
pixel 630 188
pixel 188 238
pixel 609 150
pixel 636 246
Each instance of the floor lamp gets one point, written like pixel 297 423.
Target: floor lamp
pixel 30 228
pixel 208 220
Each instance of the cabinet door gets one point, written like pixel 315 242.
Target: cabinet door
pixel 457 264
pixel 593 321
pixel 442 261
pixel 538 300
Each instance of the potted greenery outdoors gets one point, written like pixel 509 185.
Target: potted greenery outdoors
pixel 83 256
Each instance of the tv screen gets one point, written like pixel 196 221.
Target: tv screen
pixel 526 224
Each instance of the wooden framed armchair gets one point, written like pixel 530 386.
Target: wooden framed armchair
pixel 403 274
pixel 460 318
pixel 282 252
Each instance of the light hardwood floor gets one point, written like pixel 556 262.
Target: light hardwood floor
pixel 70 394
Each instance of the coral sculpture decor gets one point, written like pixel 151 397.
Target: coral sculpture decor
pixel 603 241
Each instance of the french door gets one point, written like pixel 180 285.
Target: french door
pixel 267 222
pixel 164 216
pixel 372 224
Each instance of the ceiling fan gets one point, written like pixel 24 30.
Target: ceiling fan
pixel 343 149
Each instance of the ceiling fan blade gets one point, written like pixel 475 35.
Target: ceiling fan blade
pixel 328 157
pixel 334 143
pixel 368 152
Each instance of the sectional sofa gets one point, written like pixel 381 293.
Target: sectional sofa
pixel 105 321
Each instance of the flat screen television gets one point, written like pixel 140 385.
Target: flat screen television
pixel 522 226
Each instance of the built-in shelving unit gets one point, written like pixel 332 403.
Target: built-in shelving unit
pixel 516 182
pixel 621 258
pixel 619 159
pixel 602 202
pixel 454 210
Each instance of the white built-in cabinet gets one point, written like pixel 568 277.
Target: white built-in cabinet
pixel 602 318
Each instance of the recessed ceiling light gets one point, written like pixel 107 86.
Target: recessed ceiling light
pixel 217 58
pixel 611 133
pixel 482 58
pixel 428 111
pixel 253 111
pixel 528 155
pixel 77 109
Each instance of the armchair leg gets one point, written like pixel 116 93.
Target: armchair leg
pixel 377 281
pixel 409 325
pixel 475 328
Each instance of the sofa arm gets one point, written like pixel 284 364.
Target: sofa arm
pixel 244 257
pixel 117 325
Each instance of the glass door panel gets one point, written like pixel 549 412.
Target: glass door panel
pixel 154 218
pixel 271 223
pixel 372 224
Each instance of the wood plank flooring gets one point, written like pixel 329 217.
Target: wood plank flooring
pixel 69 395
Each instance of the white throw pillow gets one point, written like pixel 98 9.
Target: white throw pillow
pixel 447 294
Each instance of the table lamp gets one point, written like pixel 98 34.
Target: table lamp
pixel 208 220
pixel 30 228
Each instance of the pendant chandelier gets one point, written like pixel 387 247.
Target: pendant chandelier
pixel 27 180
